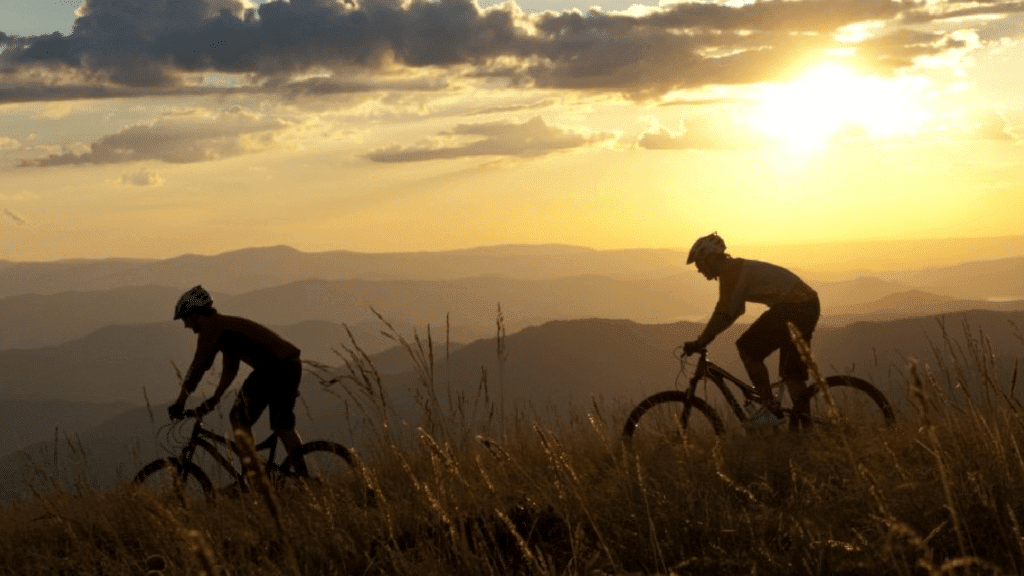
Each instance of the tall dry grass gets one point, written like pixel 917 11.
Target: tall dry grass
pixel 939 494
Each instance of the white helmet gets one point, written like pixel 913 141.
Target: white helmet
pixel 705 246
pixel 197 297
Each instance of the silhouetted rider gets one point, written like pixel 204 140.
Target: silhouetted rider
pixel 788 299
pixel 273 383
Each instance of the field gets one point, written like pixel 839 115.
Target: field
pixel 938 494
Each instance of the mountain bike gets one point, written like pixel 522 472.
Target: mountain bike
pixel 324 462
pixel 844 400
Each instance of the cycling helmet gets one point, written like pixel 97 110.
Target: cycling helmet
pixel 705 246
pixel 197 297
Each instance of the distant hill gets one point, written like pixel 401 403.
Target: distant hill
pixel 835 295
pixel 116 363
pixel 254 268
pixel 29 421
pixel 473 302
pixel 469 304
pixel 35 320
pixel 566 363
pixel 914 303
pixel 1001 279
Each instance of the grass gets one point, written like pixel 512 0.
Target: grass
pixel 939 494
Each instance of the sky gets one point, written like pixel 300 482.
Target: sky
pixel 153 128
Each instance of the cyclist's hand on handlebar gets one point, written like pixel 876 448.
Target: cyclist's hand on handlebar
pixel 176 411
pixel 692 347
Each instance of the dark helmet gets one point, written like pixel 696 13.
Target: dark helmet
pixel 197 297
pixel 705 246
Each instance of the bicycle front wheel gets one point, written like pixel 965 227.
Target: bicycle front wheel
pixel 168 476
pixel 857 403
pixel 669 418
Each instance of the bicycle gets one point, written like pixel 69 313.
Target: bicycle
pixel 675 413
pixel 324 461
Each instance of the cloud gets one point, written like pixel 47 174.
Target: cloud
pixel 531 138
pixel 119 46
pixel 988 125
pixel 710 132
pixel 7 143
pixel 141 177
pixel 13 217
pixel 194 136
pixel 19 196
pixel 951 10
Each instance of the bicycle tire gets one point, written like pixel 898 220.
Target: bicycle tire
pixel 865 405
pixel 165 474
pixel 323 459
pixel 669 399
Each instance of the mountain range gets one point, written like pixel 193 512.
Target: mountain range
pixel 86 345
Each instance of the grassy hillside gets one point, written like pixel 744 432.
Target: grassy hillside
pixel 938 494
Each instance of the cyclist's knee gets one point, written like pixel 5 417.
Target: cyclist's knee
pixel 748 354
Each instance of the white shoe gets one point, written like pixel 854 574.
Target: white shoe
pixel 762 418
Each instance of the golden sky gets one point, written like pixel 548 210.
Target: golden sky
pixel 151 129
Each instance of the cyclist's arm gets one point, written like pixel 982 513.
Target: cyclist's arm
pixel 206 352
pixel 730 301
pixel 716 325
pixel 227 374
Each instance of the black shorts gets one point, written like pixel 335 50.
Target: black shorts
pixel 276 387
pixel 770 333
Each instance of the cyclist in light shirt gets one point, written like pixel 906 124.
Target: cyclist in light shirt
pixel 788 299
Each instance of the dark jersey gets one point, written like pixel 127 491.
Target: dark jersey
pixel 238 339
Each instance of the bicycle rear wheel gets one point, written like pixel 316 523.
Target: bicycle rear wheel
pixel 858 403
pixel 167 476
pixel 668 418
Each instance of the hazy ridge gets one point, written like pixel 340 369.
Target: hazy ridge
pixel 581 324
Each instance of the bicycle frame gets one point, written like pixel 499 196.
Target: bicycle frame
pixel 708 370
pixel 210 441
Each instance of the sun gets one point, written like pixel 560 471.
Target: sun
pixel 831 100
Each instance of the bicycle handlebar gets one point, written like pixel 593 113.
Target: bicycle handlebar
pixel 191 413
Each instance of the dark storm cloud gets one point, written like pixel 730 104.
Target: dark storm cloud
pixel 147 45
pixel 175 140
pixel 531 138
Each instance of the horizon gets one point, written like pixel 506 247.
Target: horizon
pixel 127 128
pixel 824 261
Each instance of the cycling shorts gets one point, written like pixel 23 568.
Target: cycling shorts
pixel 274 386
pixel 770 333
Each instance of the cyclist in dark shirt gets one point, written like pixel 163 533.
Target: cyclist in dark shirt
pixel 788 299
pixel 273 383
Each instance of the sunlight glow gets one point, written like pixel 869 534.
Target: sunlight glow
pixel 831 102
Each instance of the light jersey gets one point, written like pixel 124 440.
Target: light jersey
pixel 238 339
pixel 742 281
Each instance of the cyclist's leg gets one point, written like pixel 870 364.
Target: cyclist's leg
pixel 760 340
pixel 792 367
pixel 282 396
pixel 249 405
